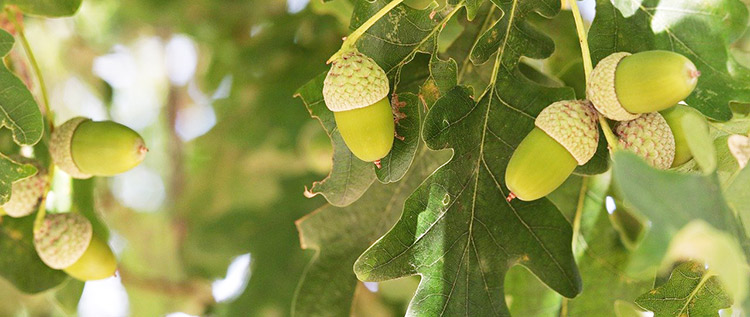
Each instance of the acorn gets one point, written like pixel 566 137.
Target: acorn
pixel 97 262
pixel 623 86
pixel 62 239
pixel 83 148
pixel 674 117
pixel 650 137
pixel 26 193
pixel 356 90
pixel 565 135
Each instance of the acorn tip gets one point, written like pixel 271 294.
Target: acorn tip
pixel 510 197
pixel 142 149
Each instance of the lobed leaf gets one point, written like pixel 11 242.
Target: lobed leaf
pixel 18 109
pixel 690 291
pixel 340 234
pixel 457 230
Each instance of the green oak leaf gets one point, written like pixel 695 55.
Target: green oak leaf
pixel 340 234
pixel 47 8
pixel 349 177
pixel 10 172
pixel 399 160
pixel 468 73
pixel 18 109
pixel 19 263
pixel 602 258
pixel 718 250
pixel 395 38
pixel 527 296
pixel 627 309
pixel 566 62
pixel 69 295
pixel 669 200
pixel 702 31
pixel 398 37
pixel 457 230
pixel 690 291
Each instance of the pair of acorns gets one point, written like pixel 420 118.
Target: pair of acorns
pixel 82 148
pixel 631 89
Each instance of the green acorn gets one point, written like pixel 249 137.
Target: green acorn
pixel 66 242
pixel 356 90
pixel 650 137
pixel 26 193
pixel 674 117
pixel 565 135
pixel 84 148
pixel 624 86
pixel 96 263
pixel 62 239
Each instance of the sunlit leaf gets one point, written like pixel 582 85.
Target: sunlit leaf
pixel 48 8
pixel 690 291
pixel 339 235
pixel 10 172
pixel 20 112
pixel 669 200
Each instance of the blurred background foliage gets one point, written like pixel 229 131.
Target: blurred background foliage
pixel 209 85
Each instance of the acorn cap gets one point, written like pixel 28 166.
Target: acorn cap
pixel 62 239
pixel 60 147
pixel 26 193
pixel 354 81
pixel 572 123
pixel 650 137
pixel 601 89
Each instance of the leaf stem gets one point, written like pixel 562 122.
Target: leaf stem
pixel 579 212
pixel 351 40
pixel 48 114
pixel 588 67
pixel 582 39
pixel 32 60
pixel 42 211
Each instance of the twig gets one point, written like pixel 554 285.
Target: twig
pixel 588 67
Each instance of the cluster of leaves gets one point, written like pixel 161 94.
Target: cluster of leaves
pixel 22 124
pixel 472 76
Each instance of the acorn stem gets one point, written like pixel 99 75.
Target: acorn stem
pixel 42 211
pixel 351 40
pixel 582 39
pixel 588 67
pixel 608 134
